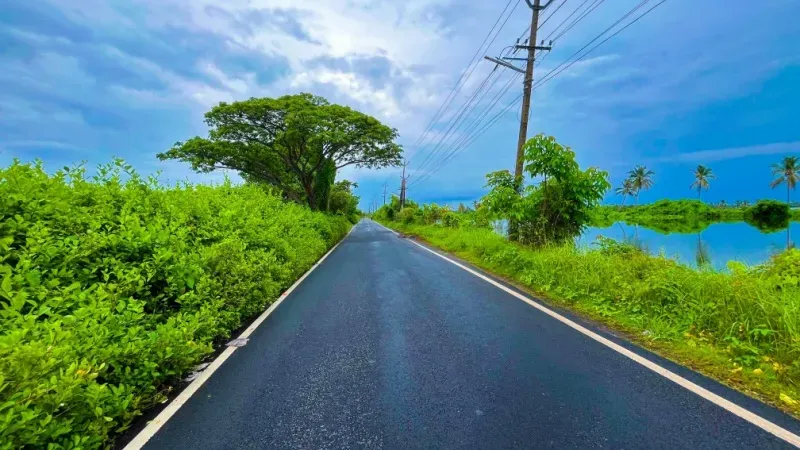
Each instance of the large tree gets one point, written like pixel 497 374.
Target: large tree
pixel 295 142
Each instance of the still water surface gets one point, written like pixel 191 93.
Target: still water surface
pixel 717 244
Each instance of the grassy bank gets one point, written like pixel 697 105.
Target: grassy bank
pixel 111 290
pixel 742 327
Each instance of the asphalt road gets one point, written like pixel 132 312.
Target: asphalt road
pixel 386 345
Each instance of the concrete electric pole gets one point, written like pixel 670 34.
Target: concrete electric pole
pixel 403 187
pixel 526 89
pixel 527 83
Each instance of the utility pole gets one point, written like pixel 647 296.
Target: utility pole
pixel 526 90
pixel 384 193
pixel 403 187
pixel 527 83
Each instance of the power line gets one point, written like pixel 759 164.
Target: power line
pixel 550 75
pixel 456 124
pixel 546 79
pixel 528 28
pixel 437 164
pixel 466 105
pixel 628 14
pixel 459 146
pixel 455 120
pixel 566 19
pixel 582 16
pixel 457 87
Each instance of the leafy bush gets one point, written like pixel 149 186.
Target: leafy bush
pixel 407 215
pixel 451 219
pixel 768 215
pixel 556 210
pixel 110 290
pixel 608 246
pixel 784 268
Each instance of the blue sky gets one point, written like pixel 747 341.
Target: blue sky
pixel 713 82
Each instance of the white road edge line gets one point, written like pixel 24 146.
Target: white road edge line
pixel 737 410
pixel 154 425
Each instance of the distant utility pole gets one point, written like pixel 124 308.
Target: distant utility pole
pixel 403 187
pixel 531 47
pixel 384 193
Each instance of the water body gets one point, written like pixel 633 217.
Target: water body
pixel 715 245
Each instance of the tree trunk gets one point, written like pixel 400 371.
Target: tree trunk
pixel 310 197
pixel 323 183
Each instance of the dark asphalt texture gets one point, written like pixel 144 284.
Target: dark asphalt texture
pixel 385 345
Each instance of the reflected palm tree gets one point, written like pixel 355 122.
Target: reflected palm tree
pixel 624 235
pixel 702 256
pixel 636 242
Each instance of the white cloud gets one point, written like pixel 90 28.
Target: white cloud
pixel 705 156
pixel 353 86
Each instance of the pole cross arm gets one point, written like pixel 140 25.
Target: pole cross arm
pixel 534 47
pixel 504 64
pixel 539 7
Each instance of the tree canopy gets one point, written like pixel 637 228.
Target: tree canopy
pixel 556 209
pixel 295 143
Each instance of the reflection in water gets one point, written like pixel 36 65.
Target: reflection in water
pixel 713 247
pixel 702 256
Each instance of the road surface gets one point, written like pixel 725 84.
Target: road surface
pixel 386 345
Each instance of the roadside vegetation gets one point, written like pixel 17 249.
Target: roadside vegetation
pixel 741 326
pixel 112 286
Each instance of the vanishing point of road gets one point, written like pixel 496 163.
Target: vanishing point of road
pixel 387 345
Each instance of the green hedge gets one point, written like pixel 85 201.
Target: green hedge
pixel 111 290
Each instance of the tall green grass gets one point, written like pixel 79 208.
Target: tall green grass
pixel 750 317
pixel 113 287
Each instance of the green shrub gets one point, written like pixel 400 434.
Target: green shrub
pixel 768 215
pixel 111 290
pixel 451 219
pixel 784 268
pixel 407 215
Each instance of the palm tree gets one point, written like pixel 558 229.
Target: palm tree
pixel 701 176
pixel 625 190
pixel 787 171
pixel 640 177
